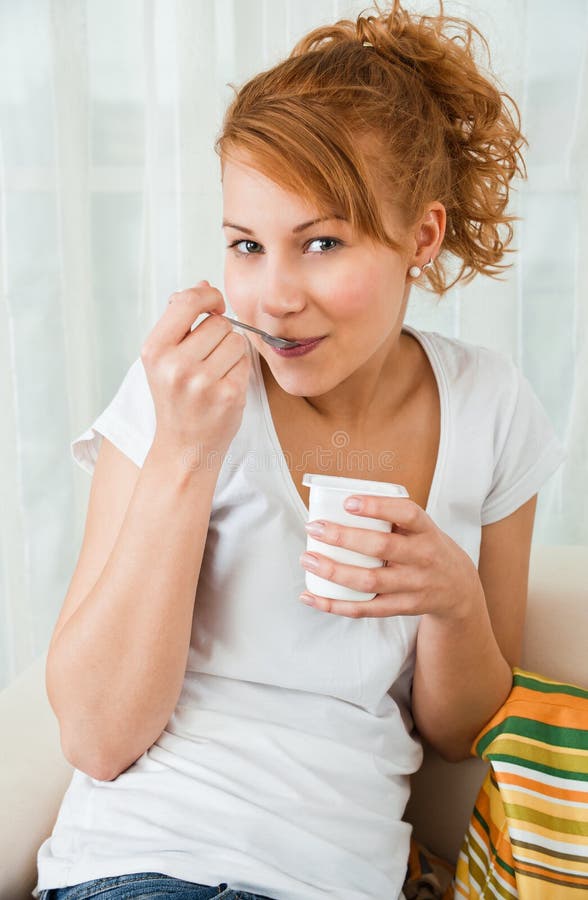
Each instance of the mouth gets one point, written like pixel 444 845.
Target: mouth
pixel 301 348
pixel 301 342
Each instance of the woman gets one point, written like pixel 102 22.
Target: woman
pixel 228 739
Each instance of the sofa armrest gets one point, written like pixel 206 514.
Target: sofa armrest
pixel 34 775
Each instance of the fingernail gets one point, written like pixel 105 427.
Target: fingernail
pixel 310 562
pixel 353 504
pixel 316 528
pixel 306 598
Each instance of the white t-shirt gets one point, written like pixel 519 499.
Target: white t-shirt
pixel 284 768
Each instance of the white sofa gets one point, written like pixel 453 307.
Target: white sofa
pixel 34 774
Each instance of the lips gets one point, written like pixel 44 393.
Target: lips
pixel 303 341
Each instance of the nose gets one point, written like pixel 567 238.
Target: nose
pixel 281 291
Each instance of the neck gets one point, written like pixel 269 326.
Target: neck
pixel 369 396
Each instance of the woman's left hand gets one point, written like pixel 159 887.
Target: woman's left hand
pixel 425 571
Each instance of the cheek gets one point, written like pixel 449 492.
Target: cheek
pixel 237 289
pixel 361 289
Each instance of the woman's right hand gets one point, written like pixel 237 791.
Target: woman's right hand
pixel 198 379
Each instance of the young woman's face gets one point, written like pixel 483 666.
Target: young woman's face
pixel 298 280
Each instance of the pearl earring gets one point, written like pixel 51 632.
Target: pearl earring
pixel 415 271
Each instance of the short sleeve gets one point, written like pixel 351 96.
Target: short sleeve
pixel 530 452
pixel 128 422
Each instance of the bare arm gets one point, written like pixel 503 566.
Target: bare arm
pixel 463 671
pixel 115 667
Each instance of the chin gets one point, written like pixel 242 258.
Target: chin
pixel 298 385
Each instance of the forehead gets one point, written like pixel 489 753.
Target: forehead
pixel 242 181
pixel 253 200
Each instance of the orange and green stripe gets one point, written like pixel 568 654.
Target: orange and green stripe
pixel 528 836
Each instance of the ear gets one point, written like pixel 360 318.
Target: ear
pixel 429 234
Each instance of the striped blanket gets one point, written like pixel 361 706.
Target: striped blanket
pixel 528 835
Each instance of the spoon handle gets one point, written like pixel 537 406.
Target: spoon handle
pixel 248 327
pixel 268 338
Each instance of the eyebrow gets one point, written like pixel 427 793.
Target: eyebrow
pixel 295 230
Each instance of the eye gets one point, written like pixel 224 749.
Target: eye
pixel 249 244
pixel 325 240
pixel 252 248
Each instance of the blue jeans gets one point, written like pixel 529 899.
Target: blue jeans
pixel 146 886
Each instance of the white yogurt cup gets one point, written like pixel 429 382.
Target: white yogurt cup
pixel 327 495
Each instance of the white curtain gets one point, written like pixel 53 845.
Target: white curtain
pixel 110 200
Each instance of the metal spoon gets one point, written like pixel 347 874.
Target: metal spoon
pixel 282 343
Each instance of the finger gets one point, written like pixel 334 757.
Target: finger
pixel 211 334
pixel 389 546
pixel 381 606
pixel 401 511
pixel 368 580
pixel 178 291
pixel 229 361
pixel 173 296
pixel 182 310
